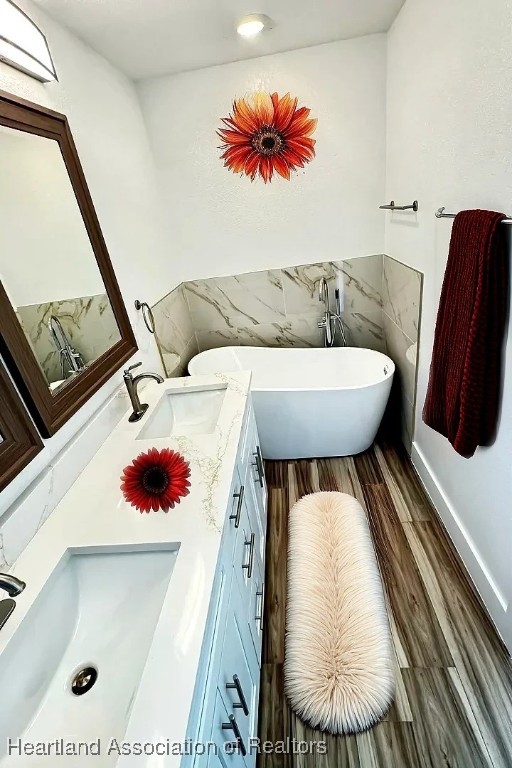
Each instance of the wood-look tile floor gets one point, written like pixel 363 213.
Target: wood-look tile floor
pixel 453 703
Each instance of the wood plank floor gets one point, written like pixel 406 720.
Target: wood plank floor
pixel 453 704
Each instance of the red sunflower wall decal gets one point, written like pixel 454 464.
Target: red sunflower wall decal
pixel 267 133
pixel 156 480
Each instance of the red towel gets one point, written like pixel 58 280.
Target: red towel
pixel 463 394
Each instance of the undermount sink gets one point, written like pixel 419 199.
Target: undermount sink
pixel 194 412
pixel 73 667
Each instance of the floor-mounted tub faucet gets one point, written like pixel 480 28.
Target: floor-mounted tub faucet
pixel 330 320
pixel 132 383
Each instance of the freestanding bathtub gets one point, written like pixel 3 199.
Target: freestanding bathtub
pixel 310 402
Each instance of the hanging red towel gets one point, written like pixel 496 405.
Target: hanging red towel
pixel 463 394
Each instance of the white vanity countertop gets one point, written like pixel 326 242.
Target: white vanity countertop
pixel 94 514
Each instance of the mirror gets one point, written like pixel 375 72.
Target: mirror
pixel 64 329
pixel 47 264
pixel 19 440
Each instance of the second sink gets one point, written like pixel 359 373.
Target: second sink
pixel 74 665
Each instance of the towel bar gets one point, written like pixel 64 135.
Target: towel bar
pixel 393 207
pixel 441 214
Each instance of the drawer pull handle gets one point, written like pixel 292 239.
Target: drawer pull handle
pixel 259 615
pixel 258 463
pixel 233 726
pixel 236 685
pixel 248 566
pixel 240 497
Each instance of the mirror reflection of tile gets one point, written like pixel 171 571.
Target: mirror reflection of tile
pixel 280 308
pixel 87 321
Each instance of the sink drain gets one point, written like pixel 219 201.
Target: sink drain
pixel 84 680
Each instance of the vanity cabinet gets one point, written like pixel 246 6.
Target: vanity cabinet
pixel 224 715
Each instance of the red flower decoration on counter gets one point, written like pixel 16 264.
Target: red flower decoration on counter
pixel 156 480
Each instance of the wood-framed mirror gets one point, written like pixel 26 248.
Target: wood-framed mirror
pixel 19 439
pixel 64 329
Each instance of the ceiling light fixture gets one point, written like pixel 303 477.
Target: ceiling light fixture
pixel 23 45
pixel 253 24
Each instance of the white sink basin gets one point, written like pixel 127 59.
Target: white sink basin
pixel 96 611
pixel 193 412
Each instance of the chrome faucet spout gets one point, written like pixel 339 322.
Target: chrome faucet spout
pixel 132 383
pixel 323 293
pixel 11 584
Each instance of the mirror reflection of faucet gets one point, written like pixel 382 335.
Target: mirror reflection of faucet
pixel 331 321
pixel 71 361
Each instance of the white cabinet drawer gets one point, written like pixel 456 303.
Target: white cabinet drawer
pixel 254 616
pixel 234 517
pixel 239 677
pixel 220 755
pixel 255 480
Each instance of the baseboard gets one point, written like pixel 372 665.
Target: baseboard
pixel 492 597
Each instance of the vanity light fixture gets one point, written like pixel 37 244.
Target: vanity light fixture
pixel 23 45
pixel 253 24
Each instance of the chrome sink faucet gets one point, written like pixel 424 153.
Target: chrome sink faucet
pixel 330 319
pixel 132 383
pixel 13 587
pixel 11 584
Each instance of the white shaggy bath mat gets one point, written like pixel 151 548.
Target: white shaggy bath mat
pixel 339 671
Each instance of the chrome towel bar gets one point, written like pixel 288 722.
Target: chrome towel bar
pixel 442 214
pixel 393 207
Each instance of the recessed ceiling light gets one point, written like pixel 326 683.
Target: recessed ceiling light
pixel 253 24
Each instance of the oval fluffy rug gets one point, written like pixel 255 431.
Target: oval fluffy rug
pixel 339 669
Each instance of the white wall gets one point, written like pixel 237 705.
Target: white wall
pixel 107 125
pixel 449 142
pixel 222 224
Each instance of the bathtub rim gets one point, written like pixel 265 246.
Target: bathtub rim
pixel 254 389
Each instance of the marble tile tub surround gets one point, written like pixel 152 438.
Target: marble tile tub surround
pixel 402 289
pixel 174 332
pixel 270 308
pixel 280 308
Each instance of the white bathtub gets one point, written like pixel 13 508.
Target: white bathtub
pixel 310 402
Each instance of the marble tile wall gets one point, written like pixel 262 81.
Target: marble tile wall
pixel 401 311
pixel 88 322
pixel 271 308
pixel 280 308
pixel 362 312
pixel 174 332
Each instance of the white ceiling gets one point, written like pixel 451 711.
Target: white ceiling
pixel 145 38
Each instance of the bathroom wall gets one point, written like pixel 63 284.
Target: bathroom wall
pixel 222 224
pixel 109 132
pixel 449 144
pixel 280 308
